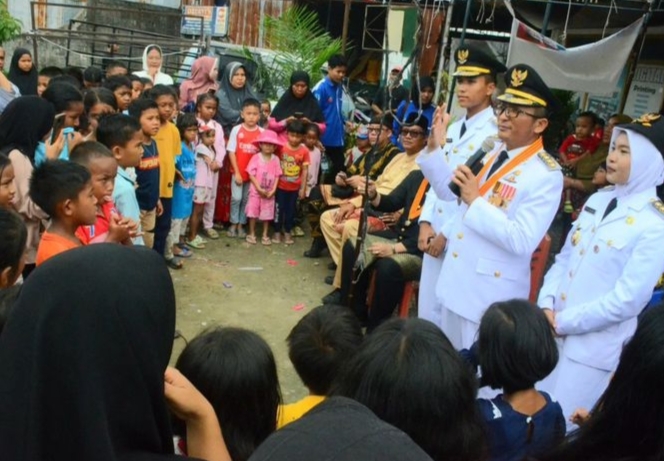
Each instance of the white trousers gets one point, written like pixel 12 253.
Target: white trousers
pixel 461 332
pixel 575 385
pixel 428 307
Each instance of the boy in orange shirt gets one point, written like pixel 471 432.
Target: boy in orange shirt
pixel 64 191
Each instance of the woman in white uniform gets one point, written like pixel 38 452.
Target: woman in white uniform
pixel 605 274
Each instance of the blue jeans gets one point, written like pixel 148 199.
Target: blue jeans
pixel 239 197
pixel 284 215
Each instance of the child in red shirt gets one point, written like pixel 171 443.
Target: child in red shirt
pixel 576 147
pixel 109 226
pixel 294 158
pixel 64 191
pixel 241 149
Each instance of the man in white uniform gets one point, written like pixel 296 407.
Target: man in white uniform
pixel 505 209
pixel 475 75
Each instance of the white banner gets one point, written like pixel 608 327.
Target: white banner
pixel 594 68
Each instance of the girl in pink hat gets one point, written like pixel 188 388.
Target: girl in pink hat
pixel 264 172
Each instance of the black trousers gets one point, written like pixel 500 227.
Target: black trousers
pixel 390 283
pixel 163 226
pixel 336 157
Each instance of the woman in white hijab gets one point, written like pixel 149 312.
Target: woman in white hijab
pixel 605 274
pixel 152 61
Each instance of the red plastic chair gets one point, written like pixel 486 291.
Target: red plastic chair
pixel 410 291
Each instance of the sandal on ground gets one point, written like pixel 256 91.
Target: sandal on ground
pixel 184 253
pixel 196 243
pixel 174 263
pixel 276 238
pixel 251 239
pixel 210 233
pixel 266 240
pixel 298 232
pixel 288 240
pixel 231 232
pixel 241 233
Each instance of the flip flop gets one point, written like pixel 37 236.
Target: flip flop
pixel 266 241
pixel 251 239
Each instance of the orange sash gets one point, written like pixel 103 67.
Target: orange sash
pixel 416 207
pixel 509 166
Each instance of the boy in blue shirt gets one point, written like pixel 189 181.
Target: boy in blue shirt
pixel 124 138
pixel 147 171
pixel 329 94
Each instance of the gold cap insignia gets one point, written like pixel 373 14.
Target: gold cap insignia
pixel 647 119
pixel 518 77
pixel 462 56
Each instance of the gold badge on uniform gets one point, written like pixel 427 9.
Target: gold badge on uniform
pixel 462 56
pixel 629 220
pixel 576 236
pixel 519 77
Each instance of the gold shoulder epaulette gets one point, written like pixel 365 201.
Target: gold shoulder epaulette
pixel 658 206
pixel 548 160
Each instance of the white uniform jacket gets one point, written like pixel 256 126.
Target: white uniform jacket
pixel 604 276
pixel 490 243
pixel 456 151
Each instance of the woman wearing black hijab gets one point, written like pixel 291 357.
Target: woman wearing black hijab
pixel 83 370
pixel 23 73
pixel 296 102
pixel 25 122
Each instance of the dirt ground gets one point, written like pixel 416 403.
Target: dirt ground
pixel 264 289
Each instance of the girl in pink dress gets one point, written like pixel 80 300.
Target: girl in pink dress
pixel 264 172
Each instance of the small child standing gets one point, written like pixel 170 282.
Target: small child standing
pixel 123 136
pixel 183 191
pixel 293 182
pixel 266 111
pixel 264 171
pixel 7 185
pixel 206 109
pixel 576 147
pixel 169 146
pixel 110 226
pixel 146 112
pixel 64 191
pixel 205 156
pixel 311 141
pixel 516 349
pixel 241 148
pixel 362 146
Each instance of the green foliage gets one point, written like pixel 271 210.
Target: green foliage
pixel 558 124
pixel 300 43
pixel 10 27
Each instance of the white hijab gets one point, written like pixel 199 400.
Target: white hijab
pixel 160 77
pixel 647 165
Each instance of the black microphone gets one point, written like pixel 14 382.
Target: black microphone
pixel 475 162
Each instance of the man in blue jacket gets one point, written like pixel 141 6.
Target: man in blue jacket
pixel 329 94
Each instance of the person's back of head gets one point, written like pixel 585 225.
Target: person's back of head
pixel 95 96
pixel 627 422
pixel 339 429
pixel 115 68
pixel 55 182
pixel 62 95
pixel 92 76
pixel 409 375
pixel 86 151
pixel 50 71
pixel 117 130
pixel 117 81
pixel 137 107
pixel 100 353
pixel 235 370
pixel 321 343
pixel 7 299
pixel 516 346
pixel 13 235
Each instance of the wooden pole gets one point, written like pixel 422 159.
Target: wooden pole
pixel 344 32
